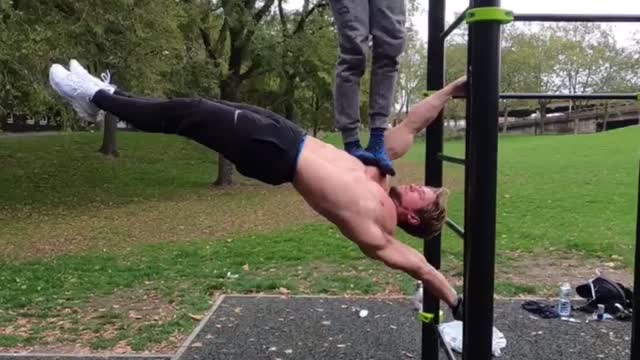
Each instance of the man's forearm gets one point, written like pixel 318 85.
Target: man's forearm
pixel 424 112
pixel 405 258
pixel 435 283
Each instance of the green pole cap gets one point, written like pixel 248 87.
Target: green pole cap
pixel 429 317
pixel 489 14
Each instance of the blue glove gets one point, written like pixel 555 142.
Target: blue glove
pixel 355 149
pixel 376 147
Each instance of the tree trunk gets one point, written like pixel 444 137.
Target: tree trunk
pixel 543 115
pixel 289 92
pixel 228 91
pixel 225 172
pixel 576 122
pixel 316 118
pixel 505 118
pixel 606 116
pixel 109 147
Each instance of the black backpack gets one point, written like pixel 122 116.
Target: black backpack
pixel 616 298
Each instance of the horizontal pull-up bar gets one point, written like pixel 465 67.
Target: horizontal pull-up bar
pixel 454 25
pixel 577 17
pixel 455 228
pixel 609 96
pixel 451 159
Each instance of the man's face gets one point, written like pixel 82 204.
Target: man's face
pixel 409 198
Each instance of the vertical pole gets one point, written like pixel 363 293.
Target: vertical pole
pixel 433 167
pixel 635 327
pixel 467 149
pixel 481 173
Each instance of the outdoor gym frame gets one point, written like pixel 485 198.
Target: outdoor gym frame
pixel 485 19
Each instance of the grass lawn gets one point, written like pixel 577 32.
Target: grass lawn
pixel 127 253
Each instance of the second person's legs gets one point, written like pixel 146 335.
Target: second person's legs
pixel 388 34
pixel 352 21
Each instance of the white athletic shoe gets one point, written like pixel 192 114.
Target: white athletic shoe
pixel 82 73
pixel 78 92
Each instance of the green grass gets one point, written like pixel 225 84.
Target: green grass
pixel 185 276
pixel 64 171
pixel 562 193
pixel 556 195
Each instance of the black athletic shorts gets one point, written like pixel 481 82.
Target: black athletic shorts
pixel 264 146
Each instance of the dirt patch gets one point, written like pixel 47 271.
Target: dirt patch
pixel 549 271
pixel 101 319
pixel 216 213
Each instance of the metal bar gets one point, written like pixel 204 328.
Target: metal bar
pixel 635 327
pixel 455 228
pixel 605 96
pixel 481 171
pixel 454 25
pixel 467 153
pixel 433 168
pixel 447 349
pixel 451 159
pixel 577 17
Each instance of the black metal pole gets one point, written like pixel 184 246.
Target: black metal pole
pixel 433 167
pixel 451 159
pixel 467 141
pixel 577 17
pixel 604 96
pixel 457 229
pixel 454 25
pixel 481 166
pixel 635 328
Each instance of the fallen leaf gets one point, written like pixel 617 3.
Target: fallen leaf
pixel 196 317
pixel 122 348
pixel 133 315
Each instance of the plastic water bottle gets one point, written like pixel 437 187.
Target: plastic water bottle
pixel 417 297
pixel 564 300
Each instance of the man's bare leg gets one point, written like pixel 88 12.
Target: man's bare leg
pixel 399 139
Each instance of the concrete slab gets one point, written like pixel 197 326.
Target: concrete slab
pixel 330 328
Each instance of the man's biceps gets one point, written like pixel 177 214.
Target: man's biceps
pixel 375 247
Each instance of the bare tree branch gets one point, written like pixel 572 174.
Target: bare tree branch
pixel 249 72
pixel 206 41
pixel 214 50
pixel 283 22
pixel 305 16
pixel 257 17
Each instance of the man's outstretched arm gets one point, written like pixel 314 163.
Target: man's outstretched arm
pixel 399 139
pixel 397 255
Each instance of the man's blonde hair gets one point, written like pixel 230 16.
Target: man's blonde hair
pixel 432 218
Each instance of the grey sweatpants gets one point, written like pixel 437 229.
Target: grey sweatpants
pixel 357 21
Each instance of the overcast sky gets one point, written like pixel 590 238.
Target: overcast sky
pixel 622 31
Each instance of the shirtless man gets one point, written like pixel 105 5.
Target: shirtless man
pixel 356 198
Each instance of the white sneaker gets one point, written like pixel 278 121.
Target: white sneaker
pixel 79 71
pixel 77 91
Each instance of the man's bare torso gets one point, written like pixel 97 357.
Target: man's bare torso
pixel 340 188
